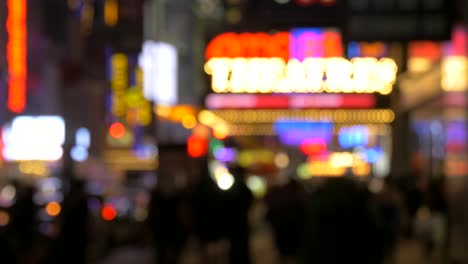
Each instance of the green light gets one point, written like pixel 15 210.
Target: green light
pixel 215 144
pixel 303 171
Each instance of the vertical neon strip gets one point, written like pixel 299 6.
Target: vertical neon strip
pixel 16 54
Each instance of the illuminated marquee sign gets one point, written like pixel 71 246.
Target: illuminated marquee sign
pixel 16 49
pixel 300 61
pixel 313 75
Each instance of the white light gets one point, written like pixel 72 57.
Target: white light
pixel 83 137
pixel 376 185
pixel 225 181
pixel 34 138
pixel 281 160
pixel 8 193
pixel 79 153
pixel 257 185
pixel 159 63
pixel 341 160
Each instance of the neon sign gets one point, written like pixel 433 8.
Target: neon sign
pixel 138 108
pixel 295 132
pixel 16 49
pixel 304 60
pixel 119 83
pixel 296 101
pixel 299 44
pixel 313 75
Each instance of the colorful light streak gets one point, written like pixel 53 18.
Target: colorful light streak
pixel 16 50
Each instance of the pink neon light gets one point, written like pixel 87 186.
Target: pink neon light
pixel 16 54
pixel 299 44
pixel 303 101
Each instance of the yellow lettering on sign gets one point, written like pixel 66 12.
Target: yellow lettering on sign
pixel 119 83
pixel 313 75
pixel 139 109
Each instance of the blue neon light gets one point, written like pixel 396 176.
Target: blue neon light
pixel 294 132
pixel 354 136
pixel 372 155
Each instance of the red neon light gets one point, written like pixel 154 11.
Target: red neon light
pixel 249 45
pixel 302 101
pixel 16 54
pixel 197 146
pixel 425 49
pixel 262 45
pixel 117 130
pixel 108 213
pixel 313 146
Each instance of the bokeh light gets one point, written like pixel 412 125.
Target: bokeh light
pixel 4 218
pixel 53 209
pixel 108 212
pixel 117 130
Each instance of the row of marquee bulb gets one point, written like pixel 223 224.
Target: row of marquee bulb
pixel 312 75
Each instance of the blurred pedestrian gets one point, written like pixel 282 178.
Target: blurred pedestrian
pixel 238 204
pixel 439 217
pixel 23 218
pixel 388 217
pixel 71 243
pixel 209 218
pixel 285 213
pixel 340 226
pixel 166 221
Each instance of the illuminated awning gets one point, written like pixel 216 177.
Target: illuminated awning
pixel 260 122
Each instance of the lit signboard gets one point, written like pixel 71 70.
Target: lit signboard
pixel 127 99
pixel 313 75
pixel 298 43
pixel 119 83
pixel 16 50
pixel 304 60
pixel 34 138
pixel 159 63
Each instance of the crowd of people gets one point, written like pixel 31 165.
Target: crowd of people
pixel 327 221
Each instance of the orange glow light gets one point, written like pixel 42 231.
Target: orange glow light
pixel 111 12
pixel 108 213
pixel 53 208
pixel 117 130
pixel 4 218
pixel 16 54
